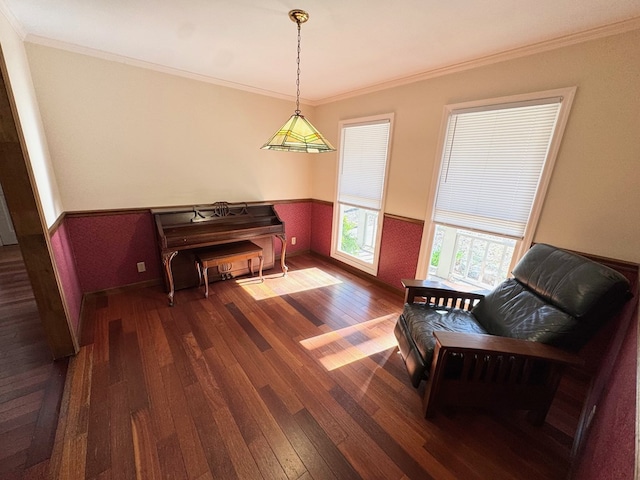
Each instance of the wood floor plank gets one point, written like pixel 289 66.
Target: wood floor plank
pixel 152 363
pixel 39 471
pixel 173 335
pixel 265 459
pixel 134 375
pixel 281 447
pixel 325 446
pixel 237 449
pixel 172 464
pixel 21 405
pixel 313 461
pixel 145 446
pixel 260 372
pixel 303 310
pixel 234 391
pixel 219 348
pixel 412 468
pixel 45 428
pixel 98 436
pixel 17 443
pixel 314 395
pixel 248 327
pixel 293 324
pixel 187 432
pixel 204 372
pixel 293 378
pixel 73 459
pixel 121 439
pixel 30 383
pixel 215 450
pixel 199 328
pixel 116 352
pixel 243 351
pixel 24 421
pixel 153 326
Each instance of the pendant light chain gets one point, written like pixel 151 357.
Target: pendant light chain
pixel 297 134
pixel 298 73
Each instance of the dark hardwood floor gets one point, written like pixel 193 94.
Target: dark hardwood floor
pixel 31 384
pixel 293 378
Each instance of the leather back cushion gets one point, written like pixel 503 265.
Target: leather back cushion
pixel 556 297
pixel 570 282
pixel 513 311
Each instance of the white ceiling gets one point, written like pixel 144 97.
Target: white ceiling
pixel 347 45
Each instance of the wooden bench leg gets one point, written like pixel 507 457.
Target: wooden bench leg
pixel 250 261
pixel 199 269
pixel 205 277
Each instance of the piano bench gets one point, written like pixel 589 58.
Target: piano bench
pixel 227 253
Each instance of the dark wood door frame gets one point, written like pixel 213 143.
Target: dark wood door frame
pixel 21 195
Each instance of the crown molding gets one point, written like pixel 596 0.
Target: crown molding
pixel 13 21
pixel 539 47
pixel 91 52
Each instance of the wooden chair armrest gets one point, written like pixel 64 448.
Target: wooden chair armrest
pixel 510 346
pixel 440 294
pixel 490 371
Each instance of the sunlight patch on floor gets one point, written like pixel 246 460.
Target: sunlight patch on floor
pixel 277 284
pixel 350 344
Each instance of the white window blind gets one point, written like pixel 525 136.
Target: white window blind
pixel 491 165
pixel 364 159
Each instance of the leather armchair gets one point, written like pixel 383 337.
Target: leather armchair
pixel 506 347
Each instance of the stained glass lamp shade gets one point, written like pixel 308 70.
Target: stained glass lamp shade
pixel 298 135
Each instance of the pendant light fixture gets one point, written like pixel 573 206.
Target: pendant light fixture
pixel 297 134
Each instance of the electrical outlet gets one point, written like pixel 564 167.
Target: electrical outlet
pixel 293 240
pixel 141 267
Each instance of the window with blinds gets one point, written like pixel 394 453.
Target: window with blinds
pixel 364 150
pixel 363 164
pixel 495 163
pixel 491 165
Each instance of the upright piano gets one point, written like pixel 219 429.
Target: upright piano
pixel 183 231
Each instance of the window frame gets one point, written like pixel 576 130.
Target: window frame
pixel 335 227
pixel 522 245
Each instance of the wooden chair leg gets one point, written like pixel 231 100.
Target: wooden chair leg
pixel 430 398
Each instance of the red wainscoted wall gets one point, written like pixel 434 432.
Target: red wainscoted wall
pixel 399 250
pixel 297 222
pixel 66 265
pixel 609 453
pixel 321 220
pixel 108 247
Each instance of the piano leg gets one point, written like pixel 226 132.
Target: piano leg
pixel 283 253
pixel 166 262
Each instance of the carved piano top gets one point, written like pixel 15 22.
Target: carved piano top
pixel 221 222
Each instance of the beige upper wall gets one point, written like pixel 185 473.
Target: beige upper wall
pixel 29 116
pixel 123 137
pixel 593 200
